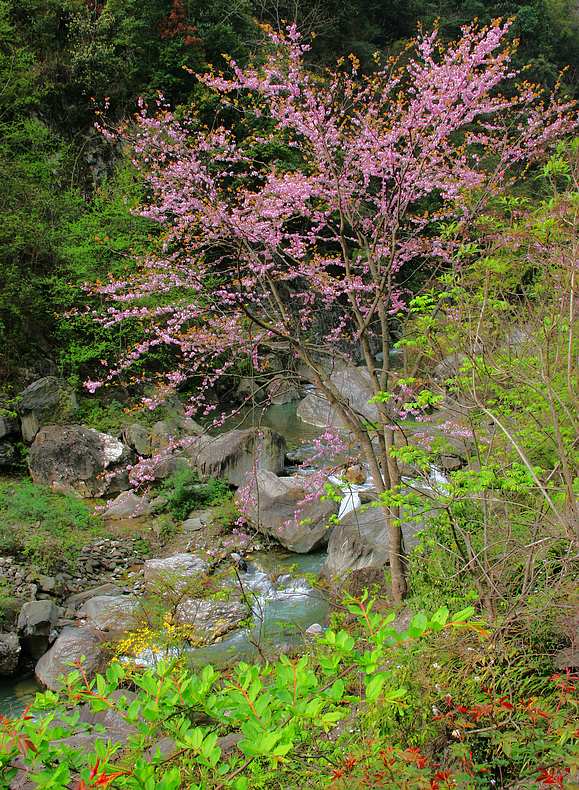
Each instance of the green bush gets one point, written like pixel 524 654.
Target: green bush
pixel 370 707
pixel 44 527
pixel 185 491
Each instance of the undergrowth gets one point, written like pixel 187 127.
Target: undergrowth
pixel 42 527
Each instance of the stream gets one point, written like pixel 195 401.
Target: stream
pixel 282 609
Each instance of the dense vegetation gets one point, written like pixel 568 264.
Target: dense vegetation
pixel 398 692
pixel 67 195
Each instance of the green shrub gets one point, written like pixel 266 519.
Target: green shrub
pixel 185 491
pixel 44 527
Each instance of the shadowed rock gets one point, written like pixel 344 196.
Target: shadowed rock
pixel 277 508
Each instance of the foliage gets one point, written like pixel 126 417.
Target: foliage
pixel 507 521
pixel 360 709
pixel 45 528
pixel 271 250
pixel 278 709
pixel 9 606
pixel 185 491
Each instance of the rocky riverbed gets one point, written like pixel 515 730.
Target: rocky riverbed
pixel 210 588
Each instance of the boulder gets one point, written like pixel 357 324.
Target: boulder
pixel 197 521
pixel 166 432
pixel 449 462
pixel 274 503
pixel 45 402
pixel 8 426
pixel 249 387
pixel 281 390
pixel 9 653
pixel 354 385
pixel 72 645
pixel 9 455
pixel 361 540
pixel 173 573
pixel 76 459
pixel 158 468
pixel 128 505
pixel 36 623
pixel 73 601
pixel 111 613
pixel 237 454
pixel 210 619
pixel 138 438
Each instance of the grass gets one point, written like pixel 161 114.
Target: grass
pixel 42 527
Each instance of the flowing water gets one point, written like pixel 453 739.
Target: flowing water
pixel 17 694
pixel 283 602
pixel 281 418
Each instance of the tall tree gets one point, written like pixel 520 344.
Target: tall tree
pixel 260 251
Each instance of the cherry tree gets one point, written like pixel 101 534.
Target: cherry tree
pixel 260 251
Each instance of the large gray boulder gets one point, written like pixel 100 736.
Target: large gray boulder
pixel 128 505
pixel 36 623
pixel 9 653
pixel 210 619
pixel 45 402
pixel 73 645
pixel 237 454
pixel 361 540
pixel 111 613
pixel 354 387
pixel 76 600
pixel 8 425
pixel 138 437
pixel 76 459
pixel 277 508
pixel 173 573
pixel 165 433
pixel 281 390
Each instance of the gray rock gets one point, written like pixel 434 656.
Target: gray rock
pixel 9 653
pixel 173 573
pixel 37 618
pixel 103 589
pixel 47 583
pixel 236 454
pixel 76 459
pixel 8 426
pixel 361 540
pixel 164 466
pixel 73 645
pixel 354 386
pixel 128 505
pixel 210 619
pixel 281 390
pixel 272 510
pixel 197 521
pixel 138 438
pixel 166 432
pixel 111 613
pixel 450 462
pixel 46 401
pixel 315 629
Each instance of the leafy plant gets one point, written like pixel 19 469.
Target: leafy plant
pixel 186 491
pixel 44 527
